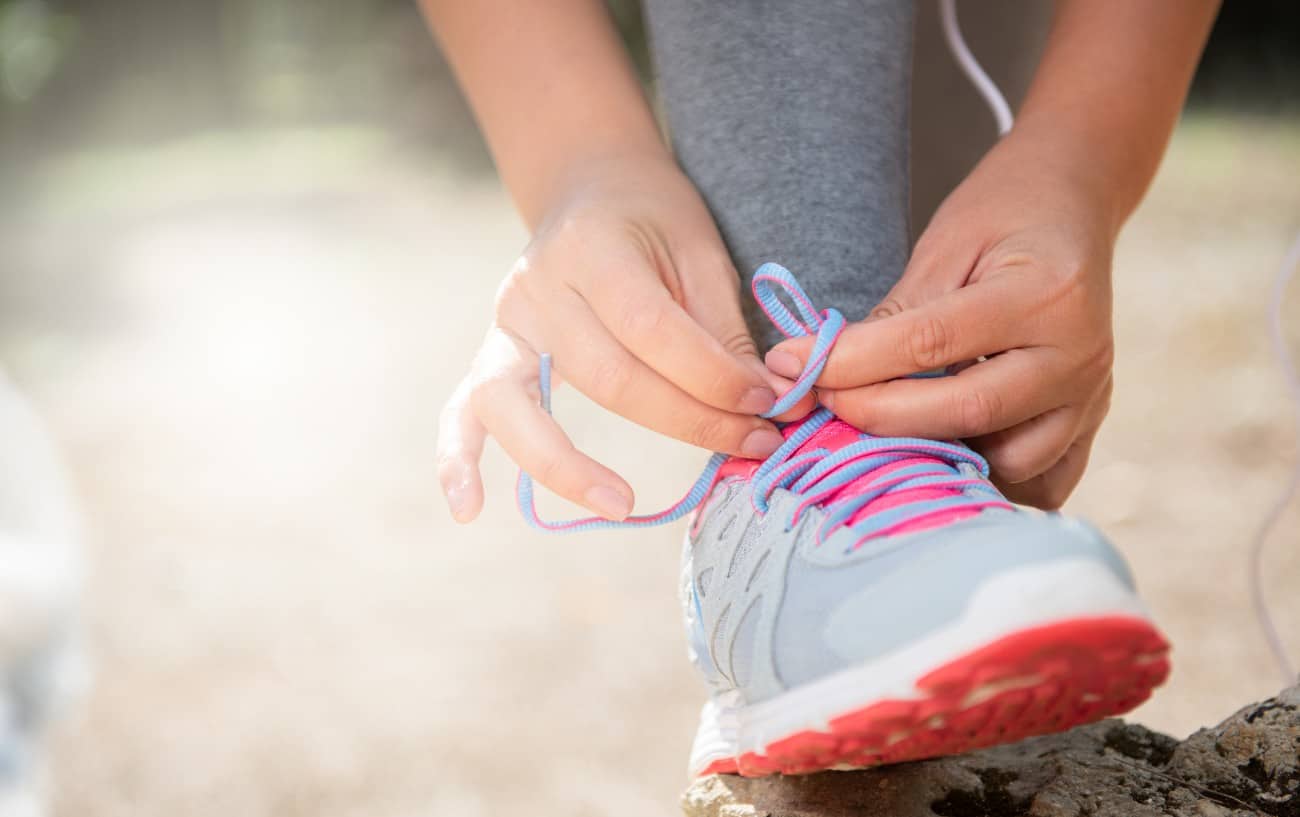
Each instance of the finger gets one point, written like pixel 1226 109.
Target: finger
pixel 459 450
pixel 982 319
pixel 942 262
pixel 1024 451
pixel 725 321
pixel 601 368
pixel 508 409
pixel 1050 489
pixel 706 362
pixel 799 410
pixel 990 396
pixel 783 384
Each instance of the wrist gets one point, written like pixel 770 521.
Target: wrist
pixel 562 173
pixel 1092 173
pixel 621 163
pixel 624 173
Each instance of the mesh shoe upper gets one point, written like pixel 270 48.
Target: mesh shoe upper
pixel 769 608
pixel 841 545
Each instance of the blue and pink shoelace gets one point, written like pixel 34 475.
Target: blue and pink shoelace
pixel 818 476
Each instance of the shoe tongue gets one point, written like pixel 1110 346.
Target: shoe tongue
pixel 833 436
pixel 838 434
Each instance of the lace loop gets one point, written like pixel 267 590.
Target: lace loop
pixel 910 471
pixel 524 489
pixel 826 325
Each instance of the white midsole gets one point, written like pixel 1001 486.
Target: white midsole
pixel 1016 600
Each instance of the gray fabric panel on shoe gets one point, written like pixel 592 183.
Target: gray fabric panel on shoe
pixel 741 659
pixel 702 583
pixel 762 539
pixel 912 589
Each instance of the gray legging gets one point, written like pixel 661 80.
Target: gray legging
pixel 796 120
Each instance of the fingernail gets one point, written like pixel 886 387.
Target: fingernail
pixel 607 502
pixel 760 443
pixel 783 363
pixel 757 400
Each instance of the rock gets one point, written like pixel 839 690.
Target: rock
pixel 1247 766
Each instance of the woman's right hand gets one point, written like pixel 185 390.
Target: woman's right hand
pixel 627 284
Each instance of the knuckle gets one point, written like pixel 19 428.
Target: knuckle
pixel 642 321
pixel 1068 287
pixel 1101 359
pixel 856 411
pixel 708 431
pixel 511 299
pixel 976 412
pixel 887 308
pixel 929 343
pixel 608 379
pixel 512 284
pixel 739 343
pixel 726 385
pixel 1104 398
pixel 1053 495
pixel 552 471
pixel 1015 464
pixel 486 392
pixel 723 388
pixel 1069 277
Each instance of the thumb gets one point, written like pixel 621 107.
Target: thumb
pixel 716 307
pixel 942 262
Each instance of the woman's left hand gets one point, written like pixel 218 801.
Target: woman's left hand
pixel 1010 288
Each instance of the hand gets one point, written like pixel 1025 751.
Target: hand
pixel 1010 288
pixel 630 288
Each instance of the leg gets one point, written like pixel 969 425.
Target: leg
pixel 792 120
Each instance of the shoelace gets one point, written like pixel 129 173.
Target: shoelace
pixel 1002 114
pixel 818 475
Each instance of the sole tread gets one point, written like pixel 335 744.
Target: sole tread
pixel 1033 682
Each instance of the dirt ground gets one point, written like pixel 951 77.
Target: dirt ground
pixel 242 343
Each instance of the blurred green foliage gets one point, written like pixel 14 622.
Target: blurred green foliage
pixel 89 72
pixel 145 67
pixel 33 41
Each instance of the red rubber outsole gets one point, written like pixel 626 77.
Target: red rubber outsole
pixel 1033 682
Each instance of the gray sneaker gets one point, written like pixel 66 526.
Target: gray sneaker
pixel 905 611
pixel 855 600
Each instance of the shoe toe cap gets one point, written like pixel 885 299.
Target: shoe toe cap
pixel 844 606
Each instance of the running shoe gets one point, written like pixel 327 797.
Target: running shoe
pixel 855 600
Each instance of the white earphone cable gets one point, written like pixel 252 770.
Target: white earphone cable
pixel 1279 506
pixel 971 68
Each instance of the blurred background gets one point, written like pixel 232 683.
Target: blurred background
pixel 246 249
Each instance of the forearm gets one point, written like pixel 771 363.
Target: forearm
pixel 1109 90
pixel 551 86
